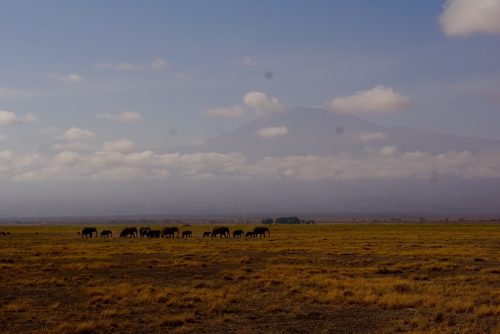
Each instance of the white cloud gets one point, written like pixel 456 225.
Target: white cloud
pixel 120 145
pixel 370 136
pixel 233 111
pixel 379 99
pixel 124 117
pixel 9 117
pixel 463 18
pixel 272 132
pixel 67 78
pixel 157 64
pixel 76 134
pixel 262 104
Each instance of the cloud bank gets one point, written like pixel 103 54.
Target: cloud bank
pixel 112 164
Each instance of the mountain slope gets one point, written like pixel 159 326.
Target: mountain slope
pixel 320 132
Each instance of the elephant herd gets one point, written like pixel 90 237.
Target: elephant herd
pixel 224 232
pixel 173 232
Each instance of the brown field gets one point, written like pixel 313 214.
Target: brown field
pixel 340 278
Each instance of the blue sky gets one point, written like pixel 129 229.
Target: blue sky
pixel 78 64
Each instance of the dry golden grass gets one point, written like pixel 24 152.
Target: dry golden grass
pixel 382 278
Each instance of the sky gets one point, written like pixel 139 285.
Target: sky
pixel 94 94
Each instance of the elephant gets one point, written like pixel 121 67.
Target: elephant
pixel 153 233
pixel 261 231
pixel 238 233
pixel 221 231
pixel 207 234
pixel 88 231
pixel 106 234
pixel 143 231
pixel 187 234
pixel 129 232
pixel 249 234
pixel 168 232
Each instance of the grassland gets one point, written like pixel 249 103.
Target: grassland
pixel 340 278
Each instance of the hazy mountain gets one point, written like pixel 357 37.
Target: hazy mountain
pixel 320 132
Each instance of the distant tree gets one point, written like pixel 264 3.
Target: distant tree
pixel 287 220
pixel 267 221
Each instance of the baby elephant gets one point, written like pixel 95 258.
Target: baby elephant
pixel 106 234
pixel 187 234
pixel 238 233
pixel 207 234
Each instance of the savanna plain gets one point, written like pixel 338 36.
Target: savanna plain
pixel 323 278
